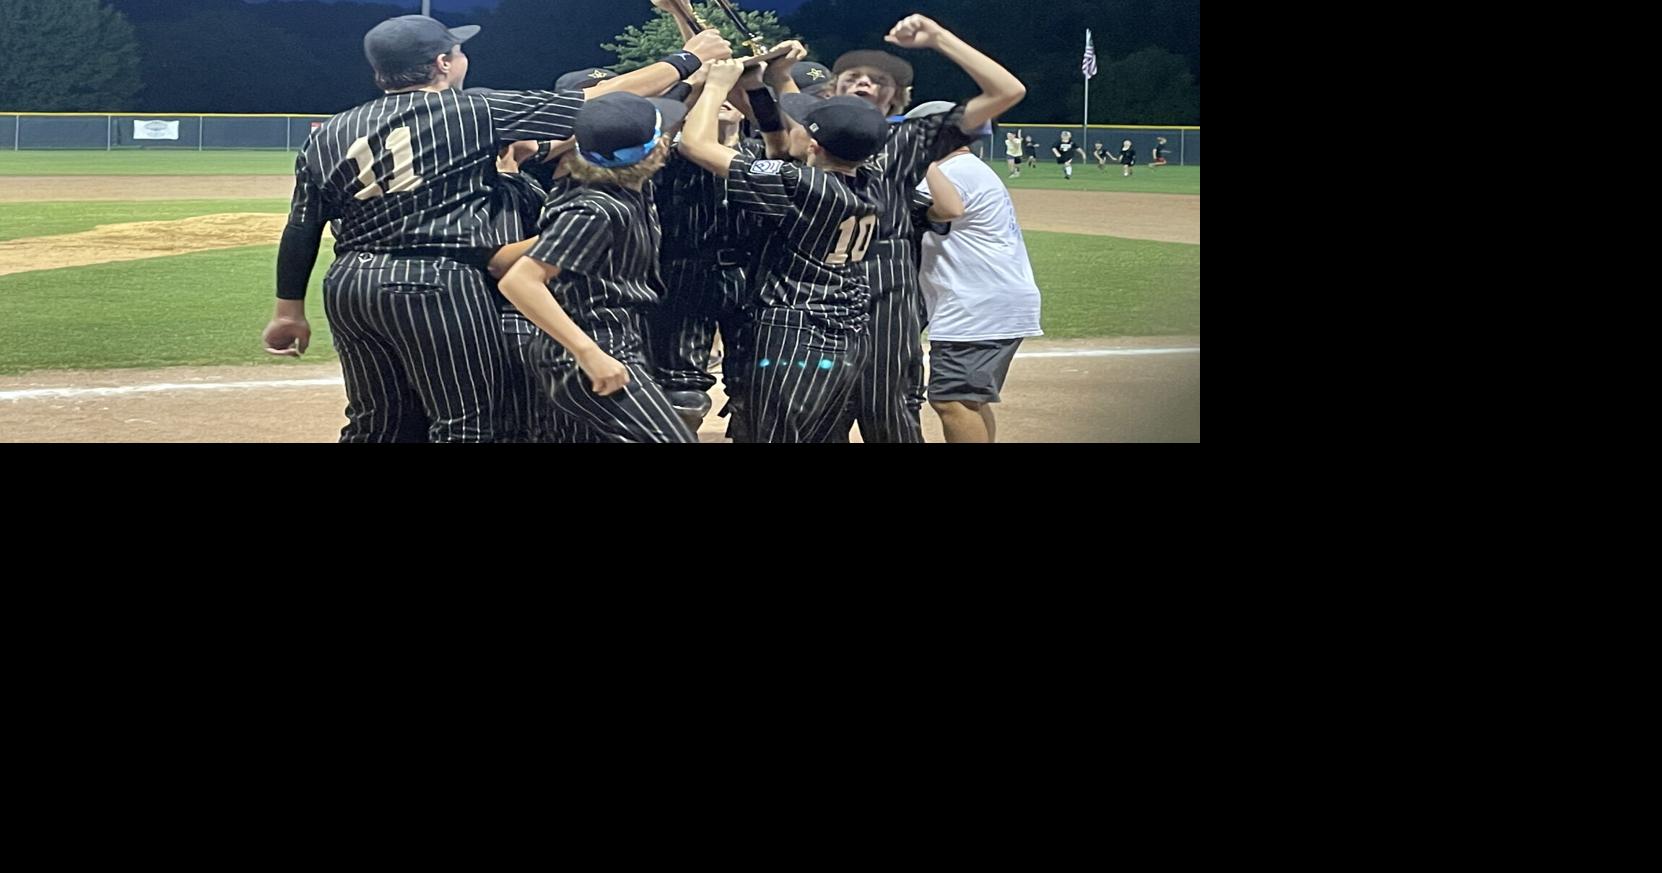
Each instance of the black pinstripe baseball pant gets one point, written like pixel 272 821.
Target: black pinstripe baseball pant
pixel 702 293
pixel 801 379
pixel 639 413
pixel 527 415
pixel 420 347
pixel 888 400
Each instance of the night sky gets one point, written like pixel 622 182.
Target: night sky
pixel 455 6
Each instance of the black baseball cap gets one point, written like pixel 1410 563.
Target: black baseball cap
pixel 588 77
pixel 410 41
pixel 620 130
pixel 849 128
pixel 811 74
pixel 894 66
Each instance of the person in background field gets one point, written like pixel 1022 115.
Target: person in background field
pixel 1064 150
pixel 1127 157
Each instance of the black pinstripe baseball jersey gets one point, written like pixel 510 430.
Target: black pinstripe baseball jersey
pixel 604 239
pixel 415 170
pixel 692 204
pixel 525 414
pixel 912 146
pixel 558 189
pixel 810 226
pixel 516 208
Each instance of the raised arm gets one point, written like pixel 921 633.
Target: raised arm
pixel 1000 89
pixel 700 138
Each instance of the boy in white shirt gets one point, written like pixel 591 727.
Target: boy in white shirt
pixel 978 284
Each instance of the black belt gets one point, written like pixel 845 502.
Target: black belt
pixel 471 257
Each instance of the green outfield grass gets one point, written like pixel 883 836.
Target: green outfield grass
pixel 20 220
pixel 198 309
pixel 1086 177
pixel 208 308
pixel 1106 286
pixel 141 162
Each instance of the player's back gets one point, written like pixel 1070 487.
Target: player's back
pixel 415 170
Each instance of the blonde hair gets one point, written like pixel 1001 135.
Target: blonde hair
pixel 902 100
pixel 633 177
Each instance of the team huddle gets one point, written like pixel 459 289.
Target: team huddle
pixel 554 265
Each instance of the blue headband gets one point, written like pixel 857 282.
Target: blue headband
pixel 633 155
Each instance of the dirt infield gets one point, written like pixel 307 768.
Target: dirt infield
pixel 35 189
pixel 140 239
pixel 1112 398
pixel 1160 217
pixel 1163 217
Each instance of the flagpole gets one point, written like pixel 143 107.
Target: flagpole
pixel 1085 124
pixel 1085 140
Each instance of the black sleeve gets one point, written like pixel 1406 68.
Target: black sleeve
pixel 296 256
pixel 764 188
pixel 939 135
pixel 303 235
pixel 576 238
pixel 521 115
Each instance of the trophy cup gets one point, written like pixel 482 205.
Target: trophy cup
pixel 683 11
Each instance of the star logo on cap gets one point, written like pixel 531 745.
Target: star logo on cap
pixel 816 73
pixel 599 74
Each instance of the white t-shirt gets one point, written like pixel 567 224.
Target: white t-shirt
pixel 1012 146
pixel 977 280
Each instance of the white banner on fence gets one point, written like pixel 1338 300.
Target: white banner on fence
pixel 155 129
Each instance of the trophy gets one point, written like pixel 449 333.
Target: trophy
pixel 682 11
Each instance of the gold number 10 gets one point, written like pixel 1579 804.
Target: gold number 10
pixel 846 233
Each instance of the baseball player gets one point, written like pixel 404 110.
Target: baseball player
pixel 1031 147
pixel 1012 151
pixel 515 206
pixel 1127 157
pixel 702 258
pixel 813 79
pixel 588 280
pixel 531 174
pixel 1160 151
pixel 1064 151
pixel 890 394
pixel 812 225
pixel 408 177
pixel 1100 155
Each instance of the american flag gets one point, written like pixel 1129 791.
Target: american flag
pixel 1090 57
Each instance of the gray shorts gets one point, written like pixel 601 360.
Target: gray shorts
pixel 972 371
